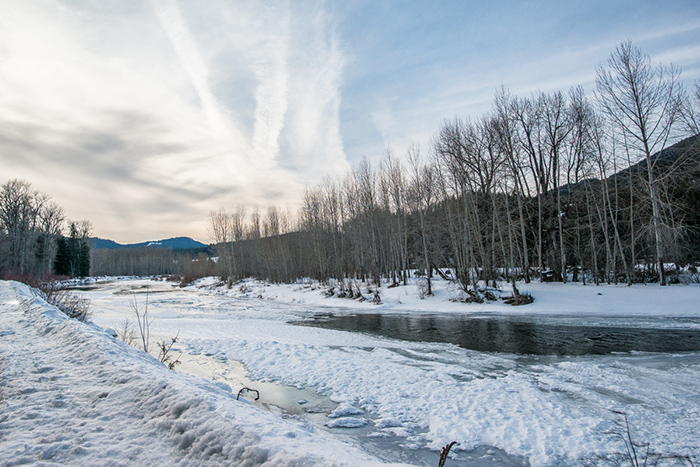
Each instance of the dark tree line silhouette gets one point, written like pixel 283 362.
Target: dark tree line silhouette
pixel 553 186
pixel 31 235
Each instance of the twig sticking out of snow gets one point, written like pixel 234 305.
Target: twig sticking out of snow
pixel 164 349
pixel 444 453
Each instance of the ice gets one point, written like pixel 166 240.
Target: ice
pixel 547 410
pixel 345 410
pixel 347 422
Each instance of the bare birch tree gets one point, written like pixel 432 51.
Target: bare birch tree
pixel 643 100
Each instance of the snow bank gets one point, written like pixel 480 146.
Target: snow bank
pixel 546 410
pixel 72 395
pixel 550 298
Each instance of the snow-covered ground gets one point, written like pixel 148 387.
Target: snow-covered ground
pixel 400 397
pixel 550 298
pixel 72 395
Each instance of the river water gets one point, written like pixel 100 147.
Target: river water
pixel 530 335
pixel 576 364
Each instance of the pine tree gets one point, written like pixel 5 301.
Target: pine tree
pixel 73 254
pixel 84 258
pixel 61 265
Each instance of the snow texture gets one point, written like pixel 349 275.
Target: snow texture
pixel 344 410
pixel 70 394
pixel 347 422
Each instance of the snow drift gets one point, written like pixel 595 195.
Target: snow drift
pixel 72 395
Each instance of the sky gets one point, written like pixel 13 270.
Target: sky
pixel 144 116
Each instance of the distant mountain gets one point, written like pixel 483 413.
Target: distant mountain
pixel 100 243
pixel 177 243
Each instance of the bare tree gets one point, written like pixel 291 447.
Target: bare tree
pixel 222 232
pixel 505 125
pixel 143 321
pixel 393 194
pixel 643 100
pixel 20 205
pixel 422 194
pixel 691 110
pixel 557 129
pixel 50 222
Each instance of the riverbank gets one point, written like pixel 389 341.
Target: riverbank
pixel 70 394
pixel 549 298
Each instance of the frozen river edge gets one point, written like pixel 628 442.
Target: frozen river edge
pixel 548 411
pixel 72 395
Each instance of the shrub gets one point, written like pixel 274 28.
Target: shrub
pixel 376 298
pixel 68 302
pixel 188 279
pixel 165 356
pixel 125 332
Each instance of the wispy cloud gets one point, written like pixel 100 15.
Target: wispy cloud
pixel 271 94
pixel 143 117
pixel 174 25
pixel 315 146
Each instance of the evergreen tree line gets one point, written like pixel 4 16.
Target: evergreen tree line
pixel 73 253
pixel 31 235
pixel 553 186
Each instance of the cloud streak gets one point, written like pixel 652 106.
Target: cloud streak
pixel 174 25
pixel 315 146
pixel 143 117
pixel 272 90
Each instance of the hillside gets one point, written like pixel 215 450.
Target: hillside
pixel 175 243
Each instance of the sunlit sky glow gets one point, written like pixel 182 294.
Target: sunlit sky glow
pixel 144 116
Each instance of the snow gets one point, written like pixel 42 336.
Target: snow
pixel 347 422
pixel 388 423
pixel 541 410
pixel 344 410
pixel 550 298
pixel 72 395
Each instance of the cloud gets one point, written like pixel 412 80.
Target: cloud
pixel 312 134
pixel 144 117
pixel 174 25
pixel 272 75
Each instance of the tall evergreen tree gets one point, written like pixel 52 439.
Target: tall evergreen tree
pixel 61 265
pixel 73 253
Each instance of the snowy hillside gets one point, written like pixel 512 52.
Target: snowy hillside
pixel 72 395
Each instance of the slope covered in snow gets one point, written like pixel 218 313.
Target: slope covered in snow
pixel 72 395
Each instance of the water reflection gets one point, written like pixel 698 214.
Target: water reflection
pixel 515 334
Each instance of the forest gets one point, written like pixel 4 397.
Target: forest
pixel 553 187
pixel 32 241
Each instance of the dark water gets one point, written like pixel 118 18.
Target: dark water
pixel 518 334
